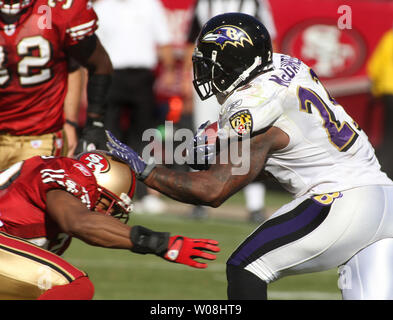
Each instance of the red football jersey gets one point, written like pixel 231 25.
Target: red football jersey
pixel 33 65
pixel 179 14
pixel 23 189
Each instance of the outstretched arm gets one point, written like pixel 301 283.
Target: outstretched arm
pixel 211 187
pixel 101 230
pixel 91 227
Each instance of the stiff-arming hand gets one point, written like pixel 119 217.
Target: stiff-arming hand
pixel 129 156
pixel 184 250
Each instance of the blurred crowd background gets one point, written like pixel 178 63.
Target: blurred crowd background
pixel 349 45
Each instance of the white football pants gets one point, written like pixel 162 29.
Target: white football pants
pixel 352 229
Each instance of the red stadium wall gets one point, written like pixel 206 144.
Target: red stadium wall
pixel 336 39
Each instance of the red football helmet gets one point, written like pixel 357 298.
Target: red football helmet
pixel 14 6
pixel 116 183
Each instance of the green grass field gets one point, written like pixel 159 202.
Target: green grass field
pixel 121 275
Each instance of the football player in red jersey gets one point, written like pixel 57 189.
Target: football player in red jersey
pixel 44 201
pixel 37 37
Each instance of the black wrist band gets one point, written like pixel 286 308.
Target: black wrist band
pixel 72 123
pixel 97 89
pixel 147 241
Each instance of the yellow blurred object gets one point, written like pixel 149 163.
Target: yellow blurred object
pixel 380 66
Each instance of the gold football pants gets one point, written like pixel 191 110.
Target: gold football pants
pixel 27 271
pixel 18 148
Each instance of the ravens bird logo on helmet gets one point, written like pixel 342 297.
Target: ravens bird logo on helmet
pixel 227 35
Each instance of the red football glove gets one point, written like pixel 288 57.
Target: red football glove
pixel 184 250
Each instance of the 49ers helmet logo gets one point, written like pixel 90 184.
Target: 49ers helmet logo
pixel 95 162
pixel 227 35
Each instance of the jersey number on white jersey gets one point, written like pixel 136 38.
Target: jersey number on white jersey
pixel 340 135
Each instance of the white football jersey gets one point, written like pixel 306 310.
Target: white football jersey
pixel 327 152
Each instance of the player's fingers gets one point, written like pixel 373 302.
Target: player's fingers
pixel 203 242
pixel 211 241
pixel 204 255
pixel 114 141
pixel 110 146
pixel 199 265
pixel 119 155
pixel 208 247
pixel 111 138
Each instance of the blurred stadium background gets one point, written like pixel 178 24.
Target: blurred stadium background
pixel 309 30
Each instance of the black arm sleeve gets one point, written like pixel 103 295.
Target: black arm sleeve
pixel 72 64
pixel 98 84
pixel 82 51
pixel 97 89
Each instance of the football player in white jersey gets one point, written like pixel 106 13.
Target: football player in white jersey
pixel 342 212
